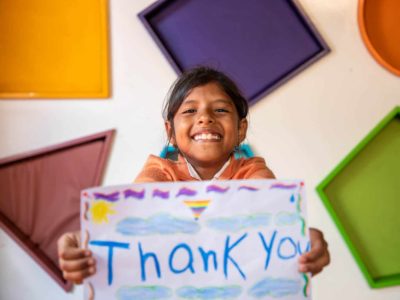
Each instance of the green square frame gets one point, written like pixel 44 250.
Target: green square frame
pixel 362 196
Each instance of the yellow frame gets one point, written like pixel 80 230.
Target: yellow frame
pixel 54 49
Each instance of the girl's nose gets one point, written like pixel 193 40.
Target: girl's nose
pixel 205 118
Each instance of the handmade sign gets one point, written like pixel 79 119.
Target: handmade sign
pixel 196 240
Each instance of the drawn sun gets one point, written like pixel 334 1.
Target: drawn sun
pixel 100 210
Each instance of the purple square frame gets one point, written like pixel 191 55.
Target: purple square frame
pixel 260 44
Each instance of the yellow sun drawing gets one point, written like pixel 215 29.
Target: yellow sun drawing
pixel 100 210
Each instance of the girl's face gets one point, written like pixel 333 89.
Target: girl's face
pixel 206 127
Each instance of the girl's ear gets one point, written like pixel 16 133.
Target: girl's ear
pixel 170 132
pixel 242 129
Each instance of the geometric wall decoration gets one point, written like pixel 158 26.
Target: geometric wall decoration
pixel 379 23
pixel 54 49
pixel 362 196
pixel 259 44
pixel 40 194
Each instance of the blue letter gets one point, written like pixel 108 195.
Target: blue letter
pixel 110 246
pixel 306 250
pixel 205 255
pixel 280 245
pixel 143 258
pixel 226 255
pixel 190 261
pixel 268 247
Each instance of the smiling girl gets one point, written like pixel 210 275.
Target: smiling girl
pixel 205 120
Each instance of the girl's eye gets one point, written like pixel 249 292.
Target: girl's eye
pixel 189 111
pixel 221 110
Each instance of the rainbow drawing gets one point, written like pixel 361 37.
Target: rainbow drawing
pixel 197 206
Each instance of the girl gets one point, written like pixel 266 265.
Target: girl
pixel 205 120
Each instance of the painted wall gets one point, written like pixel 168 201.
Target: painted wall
pixel 303 129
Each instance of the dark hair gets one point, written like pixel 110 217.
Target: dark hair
pixel 197 77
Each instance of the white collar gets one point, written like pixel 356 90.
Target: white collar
pixel 194 174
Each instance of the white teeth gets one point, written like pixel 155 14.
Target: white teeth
pixel 206 136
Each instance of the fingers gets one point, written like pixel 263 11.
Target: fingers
pixel 314 267
pixel 78 276
pixel 76 270
pixel 75 263
pixel 72 253
pixel 318 257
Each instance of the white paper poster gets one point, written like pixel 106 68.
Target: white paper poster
pixel 236 239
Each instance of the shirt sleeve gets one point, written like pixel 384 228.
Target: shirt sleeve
pixel 255 168
pixel 155 170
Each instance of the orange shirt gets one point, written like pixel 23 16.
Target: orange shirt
pixel 160 169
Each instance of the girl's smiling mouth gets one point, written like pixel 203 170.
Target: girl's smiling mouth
pixel 206 136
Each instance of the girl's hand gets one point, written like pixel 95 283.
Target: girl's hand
pixel 75 263
pixel 318 257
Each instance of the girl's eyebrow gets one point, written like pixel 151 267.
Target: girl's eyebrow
pixel 226 101
pixel 189 101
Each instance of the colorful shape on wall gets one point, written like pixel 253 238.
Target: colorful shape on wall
pixel 54 49
pixel 260 44
pixel 362 196
pixel 40 195
pixel 379 22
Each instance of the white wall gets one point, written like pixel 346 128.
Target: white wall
pixel 303 129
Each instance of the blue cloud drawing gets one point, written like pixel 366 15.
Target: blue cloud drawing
pixel 224 292
pixel 275 287
pixel 144 292
pixel 157 224
pixel 285 218
pixel 236 223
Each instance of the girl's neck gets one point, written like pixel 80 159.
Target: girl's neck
pixel 209 170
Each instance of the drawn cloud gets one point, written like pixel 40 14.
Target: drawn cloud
pixel 226 292
pixel 285 218
pixel 157 224
pixel 275 287
pixel 144 292
pixel 236 223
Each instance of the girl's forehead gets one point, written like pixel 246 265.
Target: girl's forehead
pixel 210 91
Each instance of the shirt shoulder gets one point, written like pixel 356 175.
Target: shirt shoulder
pixel 157 169
pixel 248 168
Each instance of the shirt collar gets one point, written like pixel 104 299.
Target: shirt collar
pixel 194 174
